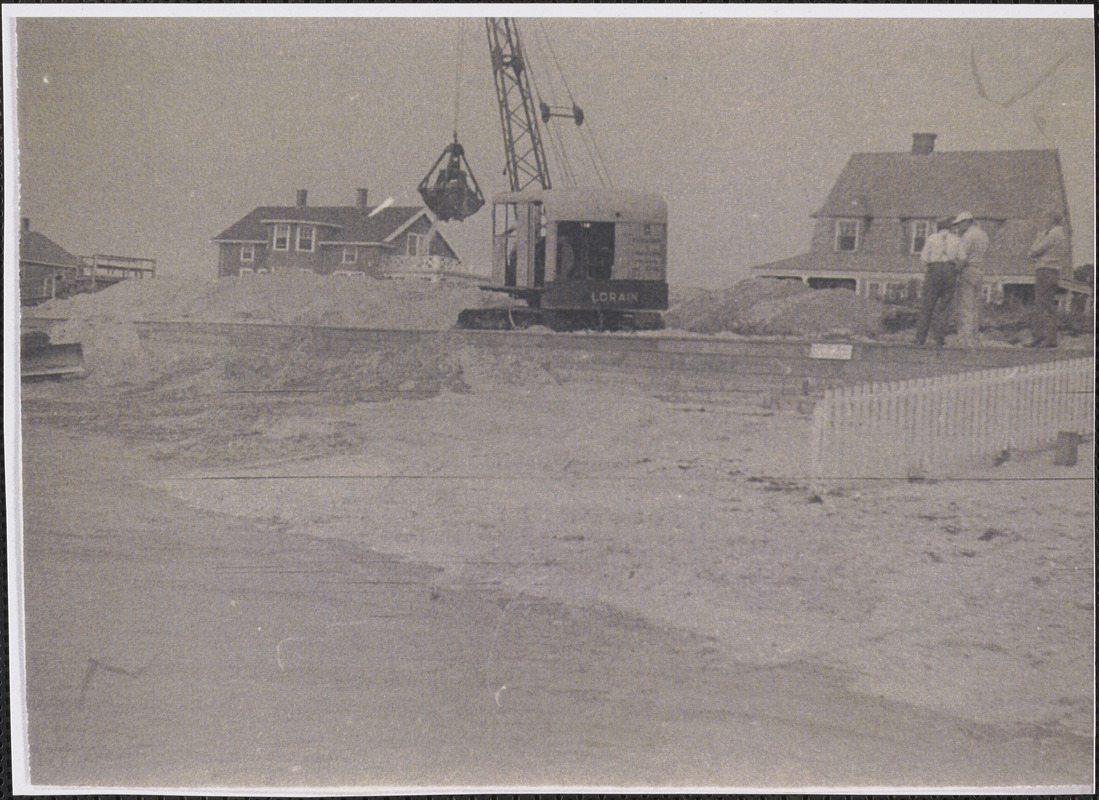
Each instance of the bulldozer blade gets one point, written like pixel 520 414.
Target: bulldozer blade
pixel 52 359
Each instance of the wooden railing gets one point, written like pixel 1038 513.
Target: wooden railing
pixel 938 426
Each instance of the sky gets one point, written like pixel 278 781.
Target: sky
pixel 148 136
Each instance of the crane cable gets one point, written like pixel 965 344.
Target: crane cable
pixel 588 140
pixel 597 157
pixel 556 140
pixel 457 76
pixel 560 156
pixel 557 143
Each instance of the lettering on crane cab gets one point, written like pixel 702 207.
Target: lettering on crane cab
pixel 614 297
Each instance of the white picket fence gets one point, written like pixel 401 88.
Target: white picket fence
pixel 939 426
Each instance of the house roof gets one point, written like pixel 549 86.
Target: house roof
pixel 995 184
pixel 798 262
pixel 37 248
pixel 337 223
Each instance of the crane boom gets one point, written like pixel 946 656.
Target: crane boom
pixel 526 158
pixel 578 258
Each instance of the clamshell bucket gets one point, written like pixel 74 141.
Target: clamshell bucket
pixel 452 192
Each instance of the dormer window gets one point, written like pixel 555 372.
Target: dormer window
pixel 305 238
pixel 282 236
pixel 847 235
pixel 247 253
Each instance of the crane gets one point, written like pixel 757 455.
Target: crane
pixel 577 258
pixel 454 193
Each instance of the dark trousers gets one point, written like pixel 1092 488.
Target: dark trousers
pixel 1044 324
pixel 938 292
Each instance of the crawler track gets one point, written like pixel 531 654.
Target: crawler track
pixel 512 319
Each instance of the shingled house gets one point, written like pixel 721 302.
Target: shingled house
pixel 46 269
pixel 871 228
pixel 386 241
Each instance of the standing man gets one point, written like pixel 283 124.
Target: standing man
pixel 1048 252
pixel 972 246
pixel 939 255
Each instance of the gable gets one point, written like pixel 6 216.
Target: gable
pixel 420 223
pixel 441 247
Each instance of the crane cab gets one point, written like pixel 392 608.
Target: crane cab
pixel 580 259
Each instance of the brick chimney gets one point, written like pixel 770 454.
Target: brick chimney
pixel 360 198
pixel 301 198
pixel 26 224
pixel 923 144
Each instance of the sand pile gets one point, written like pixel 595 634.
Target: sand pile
pixel 721 310
pixel 286 298
pixel 753 306
pixel 766 306
pixel 817 312
pixel 115 356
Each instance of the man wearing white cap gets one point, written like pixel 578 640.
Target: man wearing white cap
pixel 972 246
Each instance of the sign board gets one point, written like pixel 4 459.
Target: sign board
pixel 645 248
pixel 840 352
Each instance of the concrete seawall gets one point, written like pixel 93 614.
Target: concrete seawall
pixel 259 357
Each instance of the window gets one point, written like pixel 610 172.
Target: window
pixel 895 293
pixel 350 255
pixel 305 238
pixel 585 250
pixel 850 284
pixel 417 244
pixel 282 236
pixel 247 253
pixel 921 229
pixel 847 234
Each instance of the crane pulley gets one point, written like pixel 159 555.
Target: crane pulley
pixel 576 113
